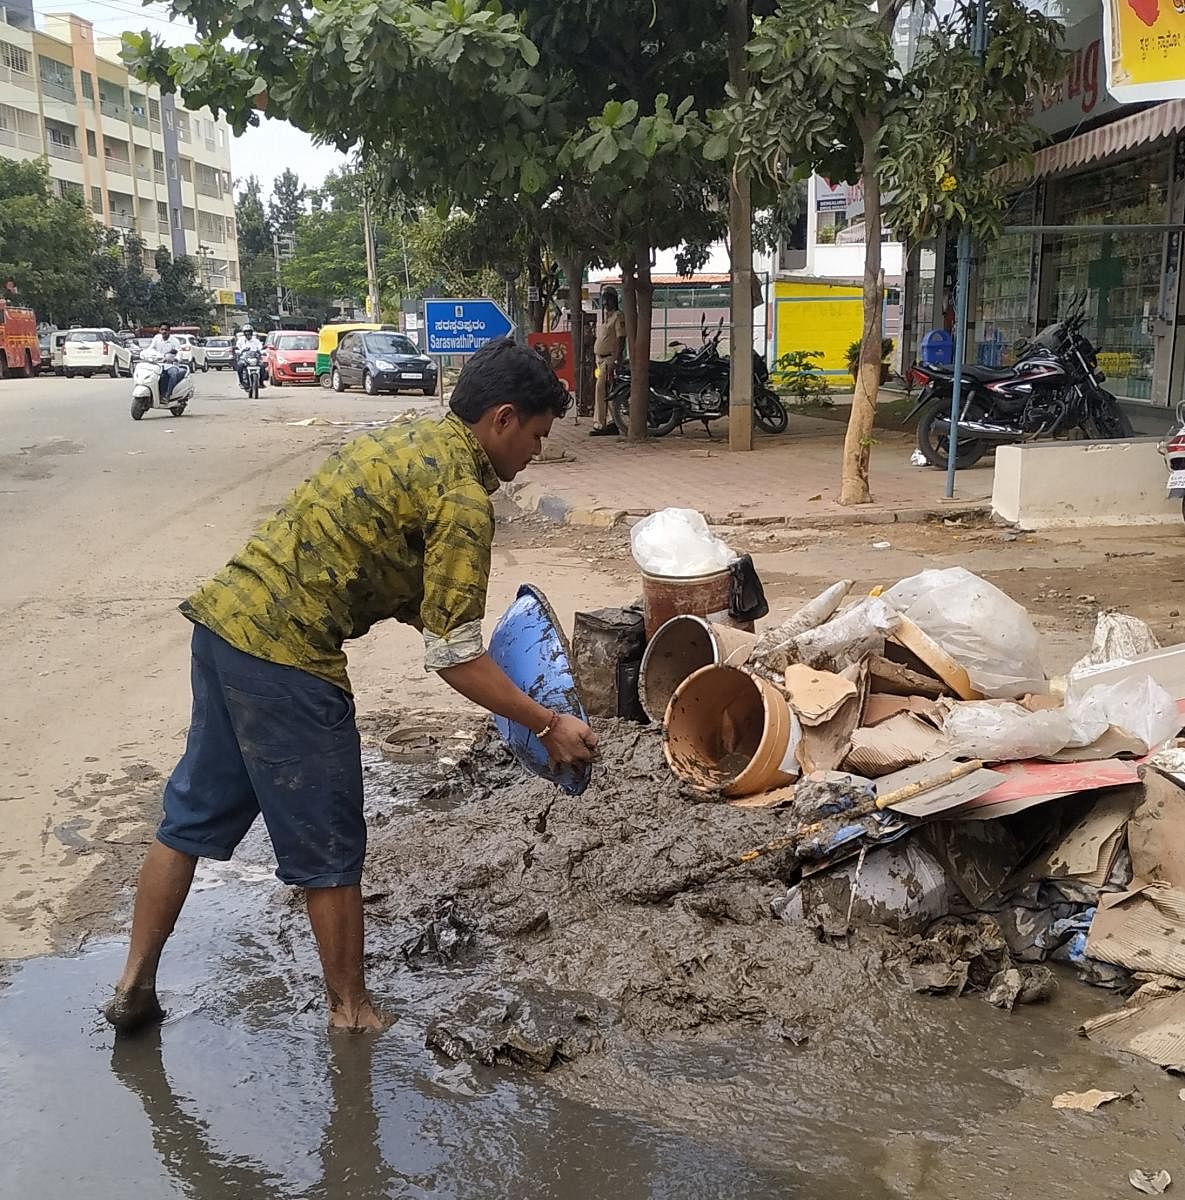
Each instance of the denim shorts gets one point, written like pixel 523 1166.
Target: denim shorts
pixel 275 740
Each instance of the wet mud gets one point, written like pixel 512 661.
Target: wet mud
pixel 584 1007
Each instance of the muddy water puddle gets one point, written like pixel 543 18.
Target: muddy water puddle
pixel 243 1094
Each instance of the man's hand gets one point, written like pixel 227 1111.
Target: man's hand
pixel 570 742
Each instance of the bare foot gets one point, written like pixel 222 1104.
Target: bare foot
pixel 364 1018
pixel 133 1008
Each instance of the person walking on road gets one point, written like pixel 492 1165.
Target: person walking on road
pixel 607 349
pixel 397 523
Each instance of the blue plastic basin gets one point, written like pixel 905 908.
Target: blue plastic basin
pixel 529 645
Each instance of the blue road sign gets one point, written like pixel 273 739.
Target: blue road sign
pixel 463 326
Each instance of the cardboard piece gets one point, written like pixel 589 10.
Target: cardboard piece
pixel 880 707
pixel 1156 833
pixel 1142 929
pixel 825 746
pixel 941 799
pixel 779 796
pixel 1155 1030
pixel 1088 1101
pixel 899 680
pixel 1006 808
pixel 1087 851
pixel 899 742
pixel 925 648
pixel 816 696
pixel 1032 779
pixel 1113 743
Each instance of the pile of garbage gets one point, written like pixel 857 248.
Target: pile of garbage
pixel 932 779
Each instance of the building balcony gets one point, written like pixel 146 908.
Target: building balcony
pixel 110 109
pixel 58 91
pixel 18 79
pixel 140 118
pixel 144 173
pixel 183 133
pixel 123 221
pixel 205 188
pixel 69 153
pixel 154 125
pixel 119 165
pixel 163 227
pixel 158 177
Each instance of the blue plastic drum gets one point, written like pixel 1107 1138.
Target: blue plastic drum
pixel 529 645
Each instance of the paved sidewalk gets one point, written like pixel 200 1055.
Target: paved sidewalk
pixel 791 479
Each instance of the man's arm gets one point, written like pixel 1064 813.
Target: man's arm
pixel 567 740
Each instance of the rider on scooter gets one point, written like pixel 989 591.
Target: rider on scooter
pixel 244 342
pixel 165 344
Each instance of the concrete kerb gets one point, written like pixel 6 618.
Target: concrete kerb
pixel 531 499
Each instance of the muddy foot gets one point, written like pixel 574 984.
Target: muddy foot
pixel 366 1019
pixel 134 1008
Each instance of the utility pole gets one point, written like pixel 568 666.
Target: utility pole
pixel 740 244
pixel 279 280
pixel 962 286
pixel 372 267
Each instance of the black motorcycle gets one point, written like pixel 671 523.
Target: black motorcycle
pixel 693 385
pixel 1053 390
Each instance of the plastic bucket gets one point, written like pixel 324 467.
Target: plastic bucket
pixel 680 648
pixel 730 732
pixel 667 596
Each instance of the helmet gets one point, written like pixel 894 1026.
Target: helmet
pixel 247 330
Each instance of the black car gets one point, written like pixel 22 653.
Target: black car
pixel 377 361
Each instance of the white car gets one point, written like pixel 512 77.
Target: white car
pixel 95 351
pixel 193 348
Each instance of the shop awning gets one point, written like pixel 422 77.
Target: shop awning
pixel 1154 122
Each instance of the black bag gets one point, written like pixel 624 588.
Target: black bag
pixel 746 596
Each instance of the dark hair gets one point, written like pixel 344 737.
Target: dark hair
pixel 608 294
pixel 503 372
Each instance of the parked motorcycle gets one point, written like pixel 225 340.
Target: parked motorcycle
pixel 251 372
pixel 1053 390
pixel 146 383
pixel 1173 449
pixel 693 385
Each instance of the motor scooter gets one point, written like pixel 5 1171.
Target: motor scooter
pixel 1173 449
pixel 146 382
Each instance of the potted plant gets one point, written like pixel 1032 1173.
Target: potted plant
pixel 854 359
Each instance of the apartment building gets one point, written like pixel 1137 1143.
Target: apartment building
pixel 137 158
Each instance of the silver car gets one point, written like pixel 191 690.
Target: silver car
pixel 220 353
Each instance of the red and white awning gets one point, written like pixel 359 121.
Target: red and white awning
pixel 1157 121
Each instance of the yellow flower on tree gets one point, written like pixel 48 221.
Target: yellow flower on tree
pixel 948 183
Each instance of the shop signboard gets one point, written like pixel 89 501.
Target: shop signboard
pixel 1145 49
pixel 556 347
pixel 1081 95
pixel 830 197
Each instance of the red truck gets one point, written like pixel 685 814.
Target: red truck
pixel 20 353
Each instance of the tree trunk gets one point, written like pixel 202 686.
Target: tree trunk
pixel 640 345
pixel 740 243
pixel 573 268
pixel 535 307
pixel 857 446
pixel 629 306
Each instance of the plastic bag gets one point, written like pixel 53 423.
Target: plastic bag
pixel 1007 732
pixel 981 628
pixel 678 542
pixel 847 638
pixel 1139 706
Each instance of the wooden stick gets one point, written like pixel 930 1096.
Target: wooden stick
pixel 898 795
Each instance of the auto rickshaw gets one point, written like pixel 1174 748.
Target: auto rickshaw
pixel 327 341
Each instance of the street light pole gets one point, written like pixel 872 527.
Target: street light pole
pixel 962 286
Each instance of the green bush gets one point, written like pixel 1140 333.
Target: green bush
pixel 798 373
pixel 854 354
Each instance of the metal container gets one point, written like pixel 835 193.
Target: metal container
pixel 667 596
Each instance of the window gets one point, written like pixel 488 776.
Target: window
pixel 154 111
pixel 158 161
pixel 15 59
pixel 162 211
pixel 59 135
pixel 88 85
pixel 68 189
pixel 176 218
pixel 96 199
pixel 174 172
pixel 91 148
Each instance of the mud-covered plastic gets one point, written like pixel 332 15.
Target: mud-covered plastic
pixel 529 645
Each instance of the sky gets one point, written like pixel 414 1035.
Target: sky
pixel 265 150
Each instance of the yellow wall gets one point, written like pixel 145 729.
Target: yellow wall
pixel 817 315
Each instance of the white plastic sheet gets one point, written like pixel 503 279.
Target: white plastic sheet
pixel 981 628
pixel 1139 706
pixel 678 542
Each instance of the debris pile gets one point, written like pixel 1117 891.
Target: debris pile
pixel 930 779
